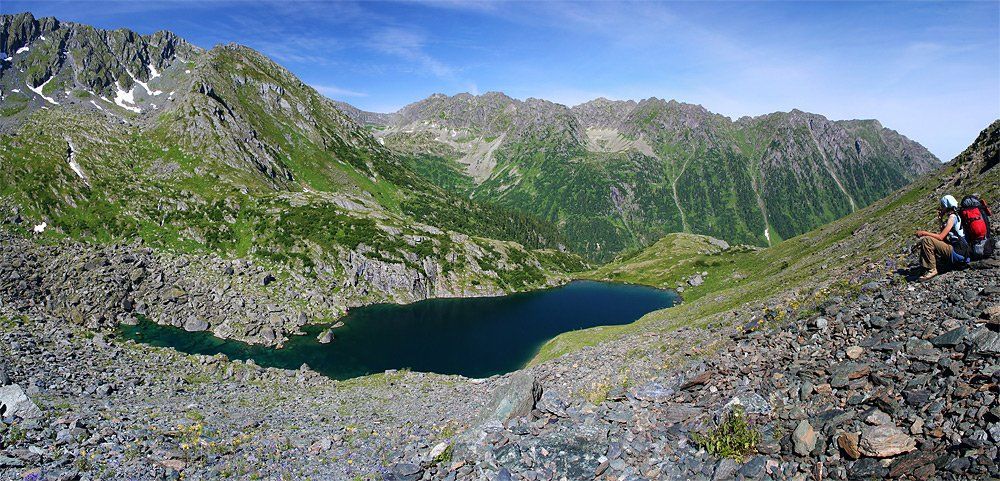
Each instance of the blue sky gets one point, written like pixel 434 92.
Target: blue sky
pixel 928 70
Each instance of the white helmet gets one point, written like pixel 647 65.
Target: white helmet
pixel 948 202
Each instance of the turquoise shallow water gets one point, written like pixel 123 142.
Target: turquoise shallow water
pixel 476 337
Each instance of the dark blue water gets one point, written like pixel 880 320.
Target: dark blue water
pixel 475 337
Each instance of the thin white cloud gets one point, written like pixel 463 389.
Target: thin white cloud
pixel 410 45
pixel 335 92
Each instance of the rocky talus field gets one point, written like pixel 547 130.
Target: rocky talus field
pixel 894 380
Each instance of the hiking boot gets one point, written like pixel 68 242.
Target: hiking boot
pixel 929 274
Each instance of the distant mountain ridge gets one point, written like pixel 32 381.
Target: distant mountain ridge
pixel 619 174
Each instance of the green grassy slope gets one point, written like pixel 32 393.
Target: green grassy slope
pixel 869 242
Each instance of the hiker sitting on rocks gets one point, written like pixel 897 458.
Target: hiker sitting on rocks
pixel 948 245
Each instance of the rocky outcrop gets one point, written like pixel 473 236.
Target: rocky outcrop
pixel 100 287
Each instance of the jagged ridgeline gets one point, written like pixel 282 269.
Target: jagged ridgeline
pixel 112 135
pixel 620 174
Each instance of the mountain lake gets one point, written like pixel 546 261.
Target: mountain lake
pixel 475 337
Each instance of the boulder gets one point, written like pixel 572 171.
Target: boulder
pixel 843 373
pixel 848 443
pixel 885 441
pixel 406 472
pixel 325 337
pixel 950 338
pixel 696 280
pixel 985 342
pixel 195 324
pixel 653 392
pixel 718 243
pixel 14 402
pixel 516 399
pixel 751 402
pixel 804 438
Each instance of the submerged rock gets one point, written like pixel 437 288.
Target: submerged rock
pixel 325 337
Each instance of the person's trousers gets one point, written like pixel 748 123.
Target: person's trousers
pixel 931 249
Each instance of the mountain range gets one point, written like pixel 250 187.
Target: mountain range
pixel 617 175
pixel 116 135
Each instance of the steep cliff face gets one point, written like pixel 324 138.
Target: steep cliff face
pixel 619 174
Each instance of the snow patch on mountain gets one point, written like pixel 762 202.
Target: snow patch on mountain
pixel 153 73
pixel 144 85
pixel 73 164
pixel 21 50
pixel 123 99
pixel 38 90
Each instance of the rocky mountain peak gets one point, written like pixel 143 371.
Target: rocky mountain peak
pixel 112 71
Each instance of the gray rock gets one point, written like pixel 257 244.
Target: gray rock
pixel 754 468
pixel 751 402
pixel 195 324
pixel 514 400
pixel 718 243
pixel 407 471
pixel 725 469
pixel 950 338
pixel 804 438
pixel 985 342
pixel 14 402
pixel 865 469
pixel 325 337
pixel 653 392
pixel 696 280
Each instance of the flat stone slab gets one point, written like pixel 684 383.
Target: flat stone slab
pixel 14 402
